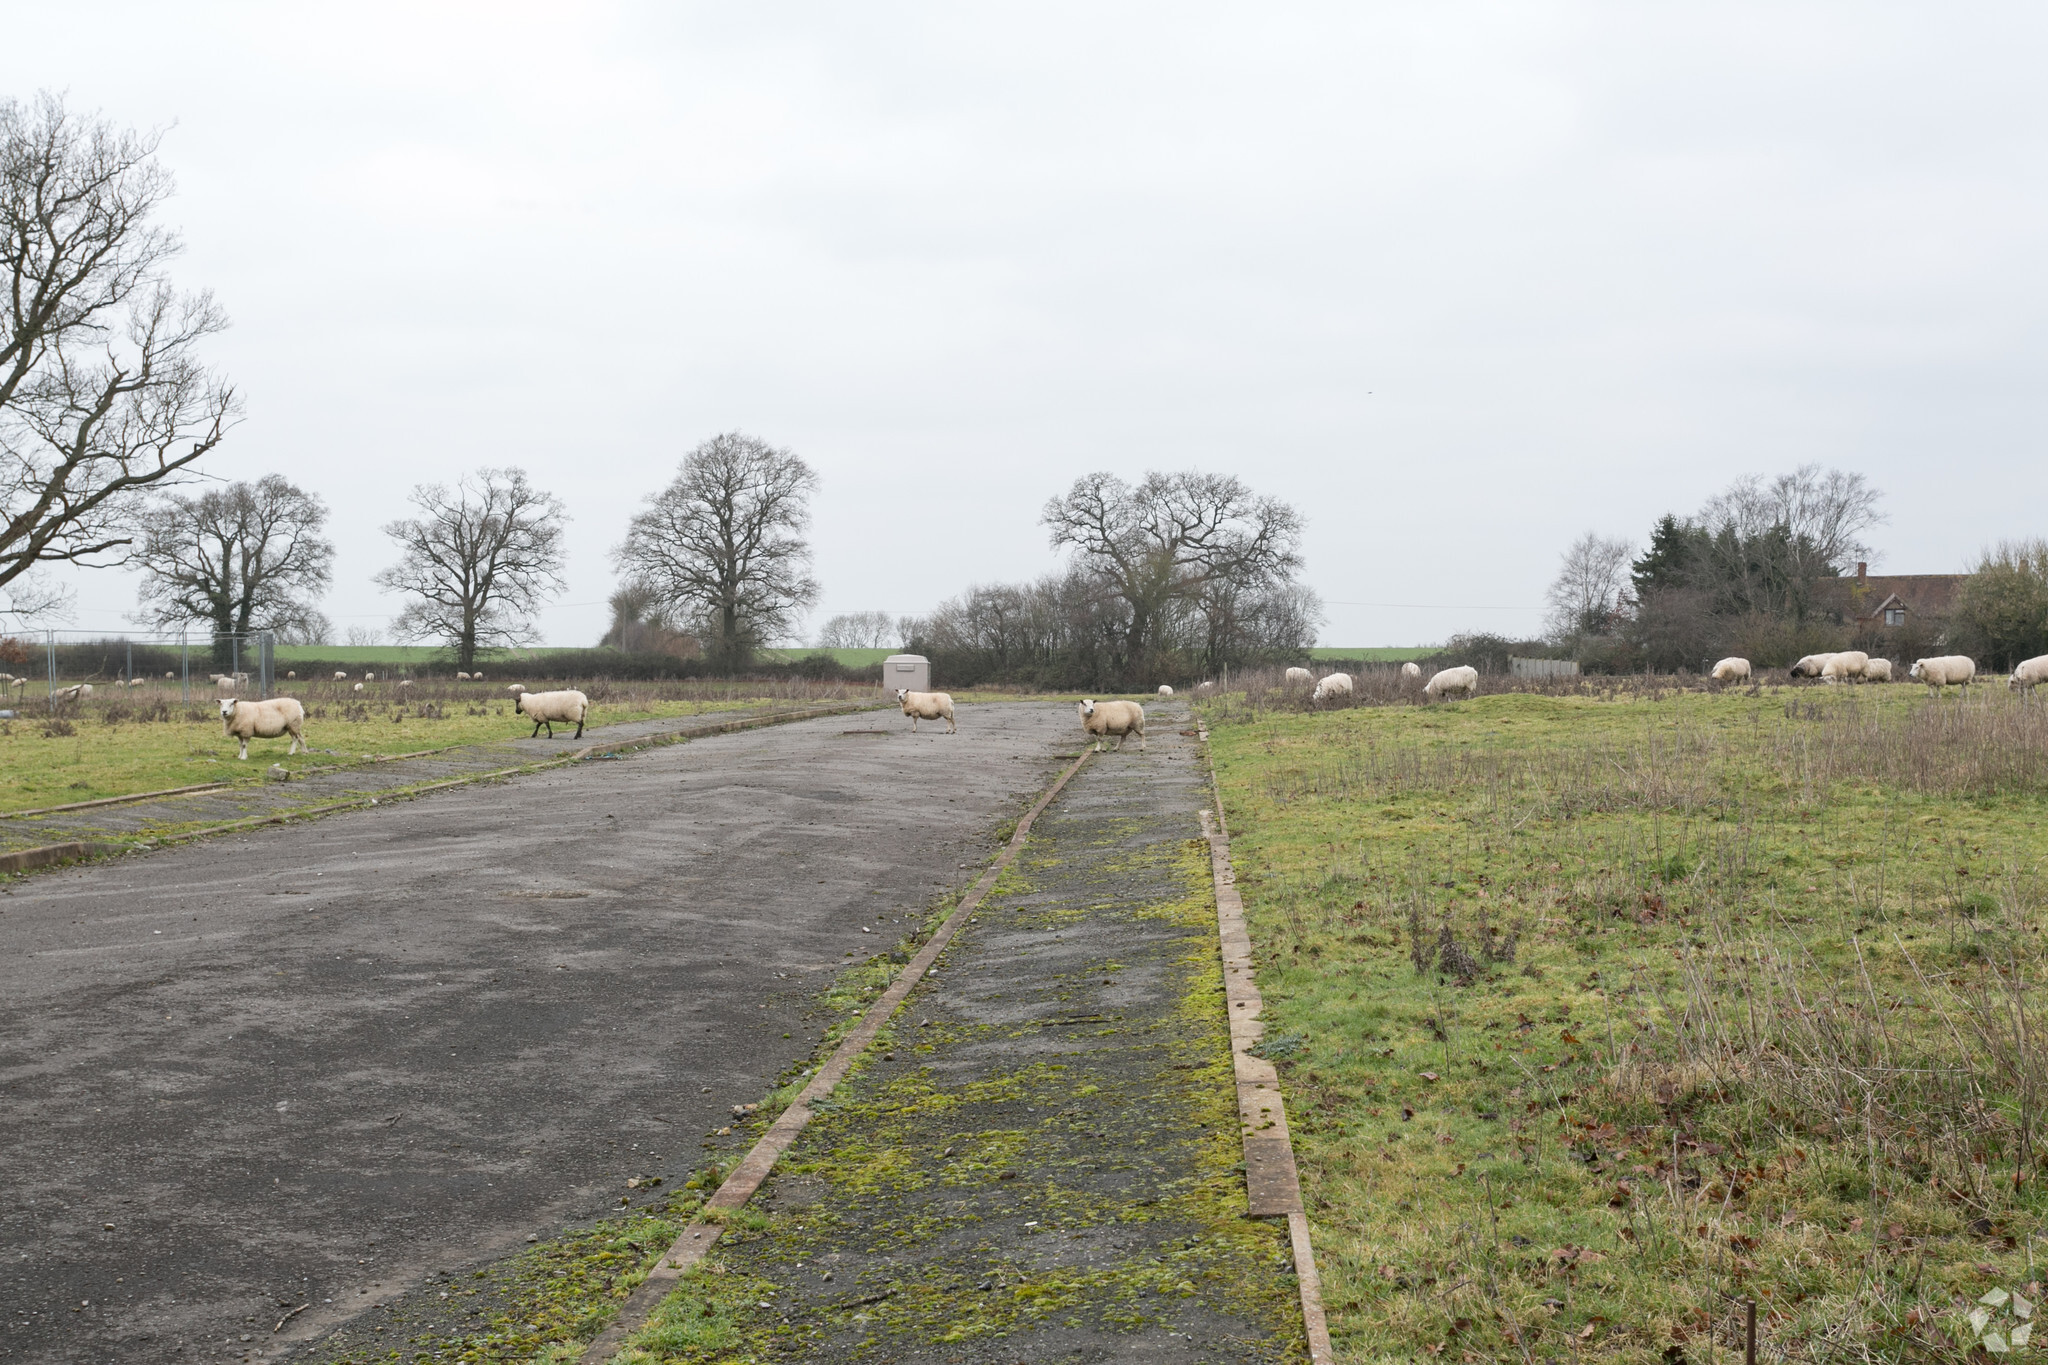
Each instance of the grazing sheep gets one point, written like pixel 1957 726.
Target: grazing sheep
pixel 927 706
pixel 1846 666
pixel 461 677
pixel 170 675
pixel 1165 691
pixel 369 677
pixel 405 682
pixel 288 675
pixel 1461 681
pixel 1332 686
pixel 1877 670
pixel 2030 673
pixel 1410 670
pixel 1731 670
pixel 246 720
pixel 6 678
pixel 476 677
pixel 1810 666
pixel 516 688
pixel 552 709
pixel 341 677
pixel 1939 672
pixel 1120 718
pixel 357 688
pixel 1204 689
pixel 1299 677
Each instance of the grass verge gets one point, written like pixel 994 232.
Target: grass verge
pixel 1600 1018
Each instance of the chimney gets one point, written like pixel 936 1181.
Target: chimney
pixel 1862 571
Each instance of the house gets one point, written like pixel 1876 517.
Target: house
pixel 1893 604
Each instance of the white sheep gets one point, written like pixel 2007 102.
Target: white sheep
pixel 476 677
pixel 1461 681
pixel 288 674
pixel 552 709
pixel 1205 689
pixel 2029 674
pixel 1165 691
pixel 927 706
pixel 405 682
pixel 1332 686
pixel 1939 672
pixel 341 677
pixel 1846 666
pixel 369 677
pixel 1410 670
pixel 246 720
pixel 516 688
pixel 1299 677
pixel 1810 666
pixel 6 678
pixel 1877 670
pixel 75 692
pixel 1120 718
pixel 1731 669
pixel 461 676
pixel 357 688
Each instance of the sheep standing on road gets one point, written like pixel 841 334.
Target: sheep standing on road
pixel 1877 670
pixel 2029 674
pixel 1332 687
pixel 1731 670
pixel 246 720
pixel 1411 671
pixel 927 706
pixel 1120 718
pixel 1461 681
pixel 1939 672
pixel 552 709
pixel 1300 677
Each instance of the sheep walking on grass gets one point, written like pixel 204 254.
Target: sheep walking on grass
pixel 1332 687
pixel 1120 718
pixel 927 706
pixel 2029 674
pixel 1731 670
pixel 552 709
pixel 1846 666
pixel 1947 669
pixel 246 720
pixel 1461 681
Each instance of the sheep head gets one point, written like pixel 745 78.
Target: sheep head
pixel 1087 708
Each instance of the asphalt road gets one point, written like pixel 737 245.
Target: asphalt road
pixel 313 1064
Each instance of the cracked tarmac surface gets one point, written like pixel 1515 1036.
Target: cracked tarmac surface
pixel 312 1064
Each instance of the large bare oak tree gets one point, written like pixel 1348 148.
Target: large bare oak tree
pixel 724 544
pixel 246 557
pixel 1166 544
pixel 477 563
pixel 102 393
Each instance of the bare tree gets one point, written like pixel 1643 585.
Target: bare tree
pixel 1586 596
pixel 723 544
pixel 101 391
pixel 478 562
pixel 1820 514
pixel 246 557
pixel 1160 547
pixel 858 630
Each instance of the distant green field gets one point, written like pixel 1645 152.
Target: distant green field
pixel 848 658
pixel 1380 654
pixel 380 654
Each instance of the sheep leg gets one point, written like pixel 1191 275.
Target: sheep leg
pixel 579 729
pixel 245 751
pixel 1141 741
pixel 536 731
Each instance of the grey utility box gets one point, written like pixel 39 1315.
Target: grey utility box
pixel 911 672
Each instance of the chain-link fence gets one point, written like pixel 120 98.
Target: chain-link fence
pixel 48 668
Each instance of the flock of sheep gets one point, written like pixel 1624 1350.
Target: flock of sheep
pixel 1100 719
pixel 1462 681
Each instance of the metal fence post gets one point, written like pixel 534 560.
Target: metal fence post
pixel 50 644
pixel 131 662
pixel 266 644
pixel 185 662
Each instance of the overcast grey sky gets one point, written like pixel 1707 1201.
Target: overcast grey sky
pixel 1462 281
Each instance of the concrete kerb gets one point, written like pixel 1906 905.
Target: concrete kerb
pixel 700 1236
pixel 1272 1182
pixel 49 855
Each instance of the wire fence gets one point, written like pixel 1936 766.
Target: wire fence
pixel 55 667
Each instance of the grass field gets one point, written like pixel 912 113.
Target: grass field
pixel 1378 654
pixel 1601 1017
pixel 144 739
